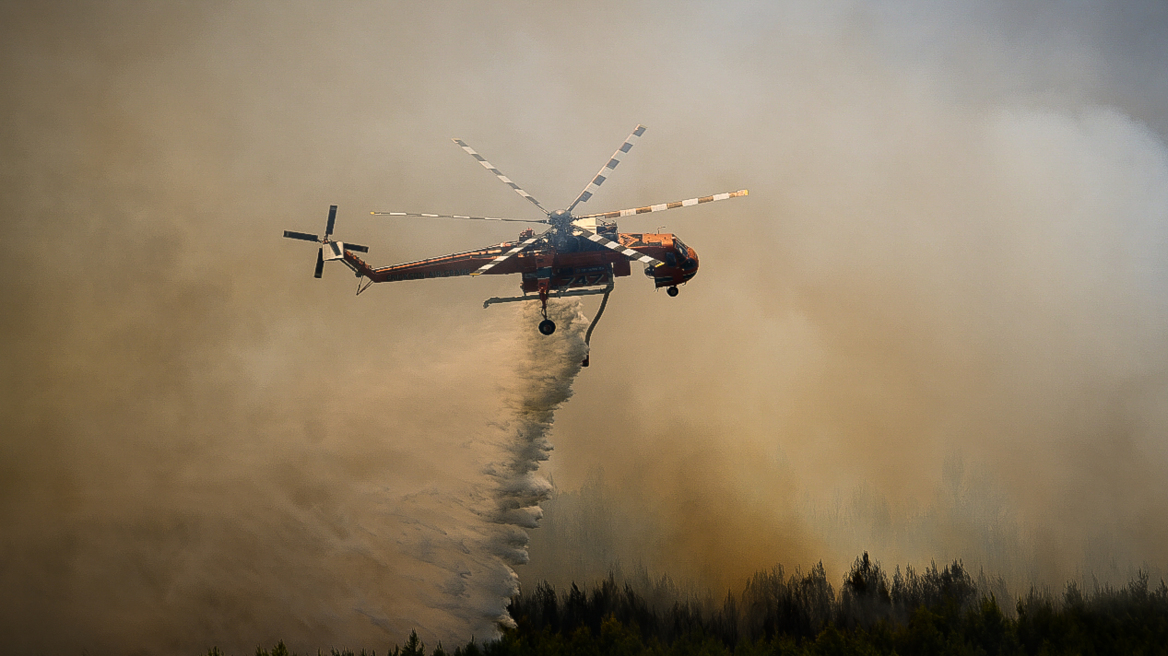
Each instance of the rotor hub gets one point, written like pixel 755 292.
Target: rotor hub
pixel 561 221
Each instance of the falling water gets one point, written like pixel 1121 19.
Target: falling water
pixel 544 371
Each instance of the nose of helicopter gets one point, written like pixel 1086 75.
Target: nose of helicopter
pixel 679 272
pixel 689 267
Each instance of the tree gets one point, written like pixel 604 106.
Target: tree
pixel 865 598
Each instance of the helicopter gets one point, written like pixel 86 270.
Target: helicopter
pixel 577 255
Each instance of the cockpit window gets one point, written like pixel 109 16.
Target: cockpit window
pixel 680 247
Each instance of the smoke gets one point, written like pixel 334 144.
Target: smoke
pixel 935 329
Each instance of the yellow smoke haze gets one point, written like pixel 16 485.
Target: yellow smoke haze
pixel 934 330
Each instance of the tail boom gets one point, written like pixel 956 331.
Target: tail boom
pixel 446 266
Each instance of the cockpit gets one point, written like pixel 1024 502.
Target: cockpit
pixel 682 258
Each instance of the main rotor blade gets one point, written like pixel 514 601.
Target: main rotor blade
pixel 664 206
pixel 356 247
pixel 607 169
pixel 455 216
pixel 331 220
pixel 627 252
pixel 508 255
pixel 319 263
pixel 292 234
pixel 498 174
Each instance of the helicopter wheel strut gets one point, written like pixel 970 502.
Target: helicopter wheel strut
pixel 672 291
pixel 547 326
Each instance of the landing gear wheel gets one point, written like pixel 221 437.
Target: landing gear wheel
pixel 672 291
pixel 547 326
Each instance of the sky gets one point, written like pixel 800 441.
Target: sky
pixel 935 329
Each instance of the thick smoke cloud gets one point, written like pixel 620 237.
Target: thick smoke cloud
pixel 934 330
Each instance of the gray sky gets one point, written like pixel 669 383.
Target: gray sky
pixel 939 316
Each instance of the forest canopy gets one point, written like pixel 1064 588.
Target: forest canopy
pixel 940 610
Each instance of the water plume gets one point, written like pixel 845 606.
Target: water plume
pixel 544 370
pixel 463 539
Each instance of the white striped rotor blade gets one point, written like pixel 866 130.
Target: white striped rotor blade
pixel 664 206
pixel 506 256
pixel 425 215
pixel 627 252
pixel 498 174
pixel 608 168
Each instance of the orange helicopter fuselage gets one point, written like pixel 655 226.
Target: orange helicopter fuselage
pixel 578 263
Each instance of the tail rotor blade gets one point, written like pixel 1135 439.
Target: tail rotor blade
pixel 292 234
pixel 331 220
pixel 319 263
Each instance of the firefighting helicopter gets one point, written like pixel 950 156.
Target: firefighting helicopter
pixel 575 256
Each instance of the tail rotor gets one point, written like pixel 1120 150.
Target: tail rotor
pixel 336 248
